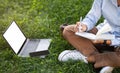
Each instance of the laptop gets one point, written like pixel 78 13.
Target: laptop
pixel 23 46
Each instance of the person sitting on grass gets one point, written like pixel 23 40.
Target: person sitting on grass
pixel 91 50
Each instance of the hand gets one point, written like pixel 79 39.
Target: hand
pixel 107 42
pixel 98 41
pixel 80 26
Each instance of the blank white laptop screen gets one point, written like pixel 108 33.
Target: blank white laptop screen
pixel 14 37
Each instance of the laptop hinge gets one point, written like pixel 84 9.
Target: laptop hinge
pixel 22 46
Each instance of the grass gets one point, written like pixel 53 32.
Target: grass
pixel 41 19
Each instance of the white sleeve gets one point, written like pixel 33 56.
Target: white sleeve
pixel 93 15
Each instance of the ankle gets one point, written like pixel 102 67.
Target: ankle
pixel 91 57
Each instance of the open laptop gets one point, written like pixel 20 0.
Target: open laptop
pixel 23 46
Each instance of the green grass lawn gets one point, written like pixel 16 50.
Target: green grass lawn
pixel 41 19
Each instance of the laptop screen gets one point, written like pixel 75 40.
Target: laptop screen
pixel 14 37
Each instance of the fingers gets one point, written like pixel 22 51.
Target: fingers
pixel 98 41
pixel 107 42
pixel 76 28
pixel 77 23
pixel 80 27
pixel 84 28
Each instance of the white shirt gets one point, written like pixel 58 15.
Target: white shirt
pixel 110 11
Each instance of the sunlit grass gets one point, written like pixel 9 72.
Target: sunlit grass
pixel 41 19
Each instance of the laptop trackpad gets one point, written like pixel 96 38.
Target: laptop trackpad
pixel 43 45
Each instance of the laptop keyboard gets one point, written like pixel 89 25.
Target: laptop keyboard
pixel 30 46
